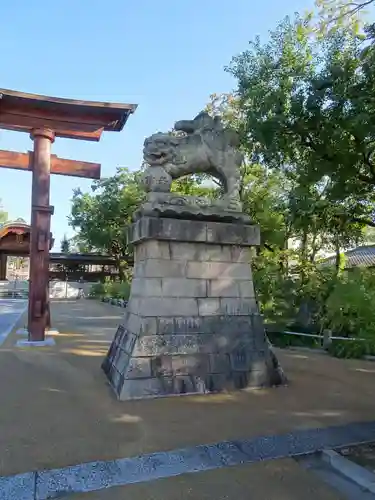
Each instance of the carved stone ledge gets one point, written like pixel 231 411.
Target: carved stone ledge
pixel 174 205
pixel 169 229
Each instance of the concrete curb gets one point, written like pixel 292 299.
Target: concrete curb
pixel 19 487
pixel 359 475
pixel 94 476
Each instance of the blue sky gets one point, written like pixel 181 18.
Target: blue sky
pixel 166 56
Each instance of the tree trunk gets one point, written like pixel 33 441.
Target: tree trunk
pixel 304 259
pixel 121 267
pixel 332 285
pixel 338 257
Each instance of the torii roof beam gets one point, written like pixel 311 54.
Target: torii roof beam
pixel 68 118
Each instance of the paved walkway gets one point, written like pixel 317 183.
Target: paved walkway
pixel 275 480
pixel 57 410
pixel 10 312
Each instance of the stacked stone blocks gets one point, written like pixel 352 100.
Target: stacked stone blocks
pixel 192 322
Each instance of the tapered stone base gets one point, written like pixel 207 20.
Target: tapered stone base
pixel 192 323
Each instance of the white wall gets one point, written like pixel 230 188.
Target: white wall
pixel 57 289
pixel 67 290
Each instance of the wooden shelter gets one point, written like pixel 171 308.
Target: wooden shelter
pixel 15 242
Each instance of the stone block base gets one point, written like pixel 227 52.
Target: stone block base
pixel 192 323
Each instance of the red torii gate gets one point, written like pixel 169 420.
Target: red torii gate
pixel 45 118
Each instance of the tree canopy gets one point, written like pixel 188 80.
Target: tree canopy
pixel 101 217
pixel 307 108
pixel 304 106
pixel 65 245
pixel 333 14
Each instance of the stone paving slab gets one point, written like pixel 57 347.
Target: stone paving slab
pixel 57 410
pixel 276 480
pixel 10 312
pixel 100 475
pixel 19 487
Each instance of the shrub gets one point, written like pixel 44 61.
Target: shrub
pixel 311 297
pixel 274 289
pixel 98 290
pixel 120 290
pixel 350 308
pixel 356 349
pixel 113 289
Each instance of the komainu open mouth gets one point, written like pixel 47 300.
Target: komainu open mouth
pixel 156 158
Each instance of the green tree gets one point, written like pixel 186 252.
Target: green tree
pixel 102 216
pixel 285 207
pixel 65 245
pixel 294 179
pixel 307 107
pixel 338 14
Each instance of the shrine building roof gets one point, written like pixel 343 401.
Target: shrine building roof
pixel 18 224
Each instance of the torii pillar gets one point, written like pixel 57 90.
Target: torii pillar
pixel 46 118
pixel 41 211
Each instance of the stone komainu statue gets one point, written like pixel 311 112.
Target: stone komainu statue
pixel 192 323
pixel 204 146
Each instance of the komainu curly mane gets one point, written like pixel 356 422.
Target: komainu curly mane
pixel 205 146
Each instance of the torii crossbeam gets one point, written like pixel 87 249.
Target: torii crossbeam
pixel 46 118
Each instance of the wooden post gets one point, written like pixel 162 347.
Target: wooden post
pixel 41 212
pixel 3 267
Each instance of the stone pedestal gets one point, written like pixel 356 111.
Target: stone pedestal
pixel 192 323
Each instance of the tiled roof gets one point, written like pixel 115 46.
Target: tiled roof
pixel 17 222
pixel 13 226
pixel 360 256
